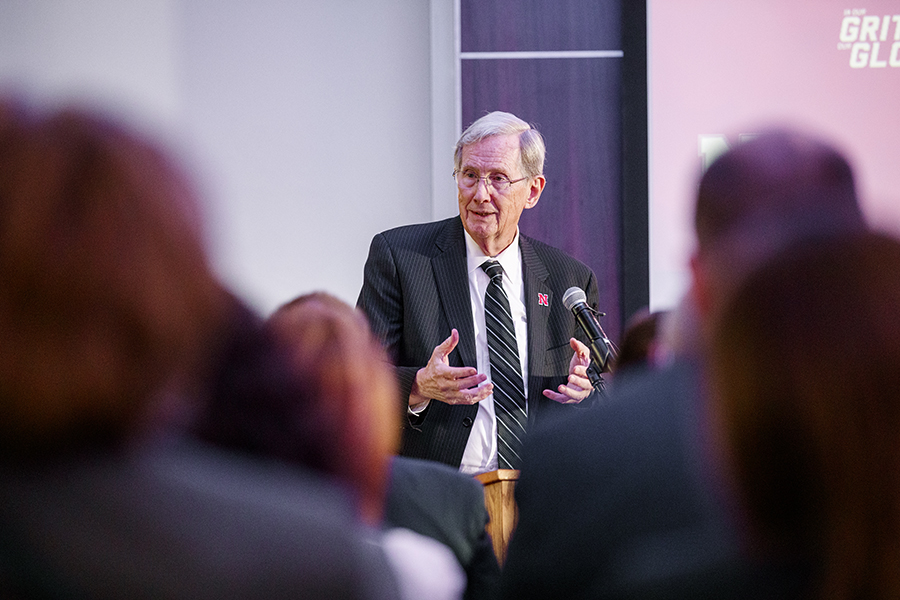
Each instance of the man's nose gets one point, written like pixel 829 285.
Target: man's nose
pixel 482 190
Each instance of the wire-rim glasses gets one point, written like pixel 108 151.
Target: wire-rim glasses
pixel 469 179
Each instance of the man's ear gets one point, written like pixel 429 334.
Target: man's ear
pixel 534 193
pixel 700 291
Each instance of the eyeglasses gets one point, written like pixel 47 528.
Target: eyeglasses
pixel 469 179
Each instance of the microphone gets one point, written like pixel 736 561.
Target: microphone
pixel 576 300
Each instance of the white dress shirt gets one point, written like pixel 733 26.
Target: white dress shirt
pixel 423 567
pixel 480 455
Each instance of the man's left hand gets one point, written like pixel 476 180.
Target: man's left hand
pixel 578 387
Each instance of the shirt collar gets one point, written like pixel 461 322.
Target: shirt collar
pixel 508 258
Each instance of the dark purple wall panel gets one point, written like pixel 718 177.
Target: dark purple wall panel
pixel 540 25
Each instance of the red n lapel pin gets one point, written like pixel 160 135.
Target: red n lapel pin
pixel 543 300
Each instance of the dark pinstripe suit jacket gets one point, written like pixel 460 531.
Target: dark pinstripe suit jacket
pixel 415 290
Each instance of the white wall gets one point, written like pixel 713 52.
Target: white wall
pixel 121 55
pixel 309 123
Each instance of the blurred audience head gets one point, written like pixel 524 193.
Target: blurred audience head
pixel 639 340
pixel 347 378
pixel 316 389
pixel 776 188
pixel 805 372
pixel 107 295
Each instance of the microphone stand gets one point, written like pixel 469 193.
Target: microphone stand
pixel 599 362
pixel 596 378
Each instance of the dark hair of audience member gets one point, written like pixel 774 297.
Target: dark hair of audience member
pixel 106 292
pixel 319 394
pixel 638 339
pixel 781 174
pixel 769 191
pixel 805 367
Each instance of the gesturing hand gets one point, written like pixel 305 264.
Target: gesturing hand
pixel 578 387
pixel 437 380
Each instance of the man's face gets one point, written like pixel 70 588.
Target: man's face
pixel 490 216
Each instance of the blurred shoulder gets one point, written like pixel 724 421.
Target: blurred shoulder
pixel 176 505
pixel 638 406
pixel 414 474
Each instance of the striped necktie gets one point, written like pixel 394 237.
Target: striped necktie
pixel 506 371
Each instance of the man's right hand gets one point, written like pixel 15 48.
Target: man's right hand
pixel 454 385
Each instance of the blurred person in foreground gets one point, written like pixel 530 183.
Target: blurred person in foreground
pixel 630 500
pixel 470 310
pixel 111 320
pixel 804 361
pixel 335 412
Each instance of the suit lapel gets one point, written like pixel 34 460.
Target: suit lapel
pixel 538 300
pixel 453 288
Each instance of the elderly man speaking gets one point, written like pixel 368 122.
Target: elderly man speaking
pixel 470 309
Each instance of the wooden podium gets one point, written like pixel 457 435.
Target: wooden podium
pixel 499 486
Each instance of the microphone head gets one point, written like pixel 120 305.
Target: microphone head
pixel 573 296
